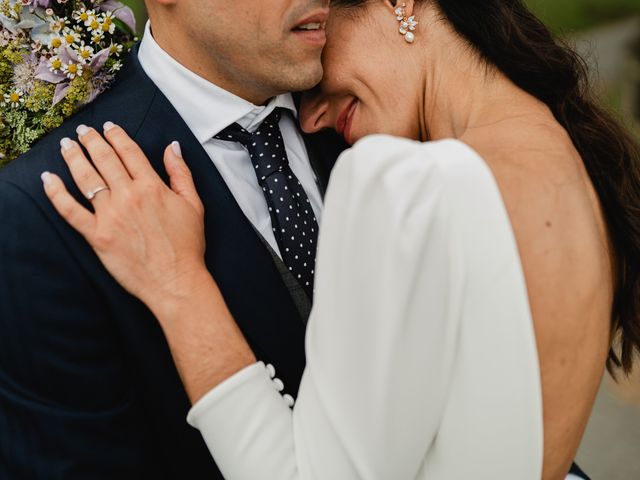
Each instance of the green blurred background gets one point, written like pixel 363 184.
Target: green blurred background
pixel 607 34
pixel 139 10
pixel 568 15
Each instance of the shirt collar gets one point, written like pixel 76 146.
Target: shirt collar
pixel 206 108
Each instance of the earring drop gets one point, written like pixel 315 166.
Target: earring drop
pixel 407 25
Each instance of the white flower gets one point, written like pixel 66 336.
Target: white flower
pixel 85 53
pixel 71 37
pixel 57 24
pixel 24 73
pixel 97 38
pixel 55 64
pixel 107 25
pixel 116 67
pixel 115 48
pixel 83 14
pixel 93 24
pixel 72 70
pixel 56 42
pixel 14 99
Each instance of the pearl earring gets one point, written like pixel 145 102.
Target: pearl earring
pixel 407 25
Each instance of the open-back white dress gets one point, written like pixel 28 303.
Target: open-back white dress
pixel 422 359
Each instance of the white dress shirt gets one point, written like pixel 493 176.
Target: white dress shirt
pixel 421 353
pixel 207 110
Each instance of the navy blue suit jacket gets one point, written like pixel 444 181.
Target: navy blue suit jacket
pixel 88 388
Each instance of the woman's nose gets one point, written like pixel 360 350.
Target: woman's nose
pixel 314 112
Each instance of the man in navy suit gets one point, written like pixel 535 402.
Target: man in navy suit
pixel 88 388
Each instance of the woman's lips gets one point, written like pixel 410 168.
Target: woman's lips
pixel 345 120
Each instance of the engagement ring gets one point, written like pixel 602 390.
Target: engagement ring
pixel 92 193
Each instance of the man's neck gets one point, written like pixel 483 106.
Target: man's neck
pixel 190 55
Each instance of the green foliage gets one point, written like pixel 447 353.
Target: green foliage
pixel 140 11
pixel 565 16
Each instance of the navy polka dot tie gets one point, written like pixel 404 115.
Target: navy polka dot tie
pixel 294 223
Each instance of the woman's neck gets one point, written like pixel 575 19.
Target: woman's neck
pixel 465 94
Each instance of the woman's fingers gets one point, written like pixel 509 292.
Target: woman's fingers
pixel 74 213
pixel 129 152
pixel 180 176
pixel 104 157
pixel 83 172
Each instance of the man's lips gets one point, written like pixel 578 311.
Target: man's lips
pixel 311 28
pixel 318 18
pixel 343 124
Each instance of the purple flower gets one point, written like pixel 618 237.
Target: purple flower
pixel 42 3
pixel 120 11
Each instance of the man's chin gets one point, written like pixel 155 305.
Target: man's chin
pixel 304 79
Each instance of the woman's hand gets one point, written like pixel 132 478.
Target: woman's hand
pixel 149 236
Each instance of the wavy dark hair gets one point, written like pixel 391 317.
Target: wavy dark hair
pixel 512 39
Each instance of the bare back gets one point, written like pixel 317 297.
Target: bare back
pixel 563 245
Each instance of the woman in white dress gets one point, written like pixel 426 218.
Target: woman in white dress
pixel 464 302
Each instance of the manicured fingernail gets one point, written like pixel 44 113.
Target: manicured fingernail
pixel 82 130
pixel 177 151
pixel 66 144
pixel 108 126
pixel 46 179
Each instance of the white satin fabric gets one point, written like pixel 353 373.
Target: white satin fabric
pixel 422 360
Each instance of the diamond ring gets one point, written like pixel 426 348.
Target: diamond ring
pixel 92 193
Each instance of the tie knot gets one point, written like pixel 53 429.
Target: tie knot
pixel 265 146
pixel 236 133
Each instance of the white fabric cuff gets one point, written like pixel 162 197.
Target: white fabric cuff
pixel 231 384
pixel 247 426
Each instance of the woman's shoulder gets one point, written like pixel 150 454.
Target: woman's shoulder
pixel 404 172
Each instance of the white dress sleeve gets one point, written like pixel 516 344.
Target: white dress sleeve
pixel 383 338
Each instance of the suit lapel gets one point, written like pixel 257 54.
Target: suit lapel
pixel 238 260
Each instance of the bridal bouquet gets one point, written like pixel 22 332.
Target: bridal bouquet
pixel 55 57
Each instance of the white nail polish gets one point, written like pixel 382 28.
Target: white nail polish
pixel 82 130
pixel 108 126
pixel 66 144
pixel 177 151
pixel 46 178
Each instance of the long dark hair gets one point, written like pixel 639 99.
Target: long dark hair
pixel 508 36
